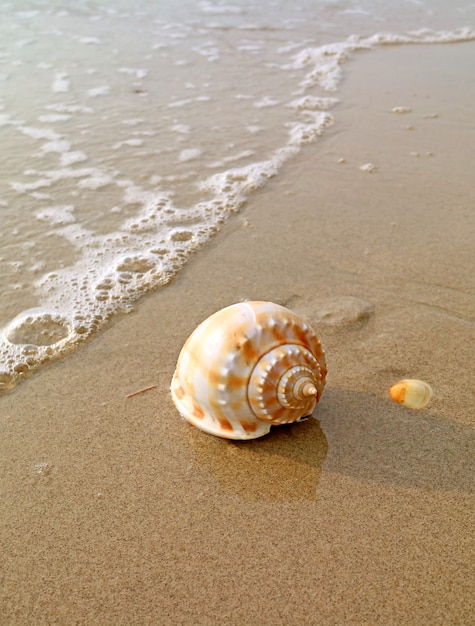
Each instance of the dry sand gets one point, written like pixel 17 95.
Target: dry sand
pixel 117 512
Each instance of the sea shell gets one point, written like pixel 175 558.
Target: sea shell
pixel 248 367
pixel 412 393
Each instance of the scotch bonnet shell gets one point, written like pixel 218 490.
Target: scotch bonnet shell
pixel 248 367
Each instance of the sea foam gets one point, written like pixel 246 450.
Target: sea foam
pixel 132 208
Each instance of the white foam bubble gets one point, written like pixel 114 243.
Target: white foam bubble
pixel 54 117
pixel 127 142
pixel 265 102
pixel 244 154
pixel 26 187
pixel 40 133
pixel 58 145
pixel 308 130
pixel 183 102
pixel 222 9
pixel 5 119
pixel 180 103
pixel 57 215
pixel 40 196
pixel 98 91
pixel 69 108
pixel 133 121
pixel 27 15
pixel 37 327
pixel 132 71
pixel 312 103
pixel 325 65
pixel 90 40
pixel 189 154
pixel 61 83
pixel 95 180
pixel 75 156
pixel 183 129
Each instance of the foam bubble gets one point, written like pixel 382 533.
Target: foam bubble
pixel 98 91
pixel 54 117
pixel 189 154
pixel 58 145
pixel 6 381
pixel 313 103
pixel 96 180
pixel 137 264
pixel 58 215
pixel 180 103
pixel 69 108
pixel 74 156
pixel 308 130
pixel 40 133
pixel 184 129
pixel 90 40
pixel 133 121
pixel 232 158
pixel 61 83
pixel 25 187
pixel 128 142
pixel 265 102
pixel 132 71
pixel 37 327
pixel 181 235
pixel 213 9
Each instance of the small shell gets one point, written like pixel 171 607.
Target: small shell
pixel 412 393
pixel 246 368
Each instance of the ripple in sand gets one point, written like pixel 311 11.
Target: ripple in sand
pixel 338 312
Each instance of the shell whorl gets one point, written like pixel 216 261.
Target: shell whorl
pixel 277 383
pixel 246 367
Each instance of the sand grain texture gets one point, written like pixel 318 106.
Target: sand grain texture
pixel 117 512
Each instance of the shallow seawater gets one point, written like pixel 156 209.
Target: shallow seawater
pixel 132 130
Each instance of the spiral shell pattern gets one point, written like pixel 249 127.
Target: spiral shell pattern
pixel 248 367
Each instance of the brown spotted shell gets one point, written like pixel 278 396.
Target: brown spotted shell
pixel 248 367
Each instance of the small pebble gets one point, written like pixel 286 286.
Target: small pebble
pixel 369 168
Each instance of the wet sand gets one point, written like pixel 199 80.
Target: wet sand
pixel 116 511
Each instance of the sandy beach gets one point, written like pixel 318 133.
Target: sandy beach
pixel 115 511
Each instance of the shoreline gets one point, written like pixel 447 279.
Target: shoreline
pixel 116 511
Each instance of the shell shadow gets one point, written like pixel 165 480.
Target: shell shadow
pixel 283 466
pixel 357 435
pixel 376 439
